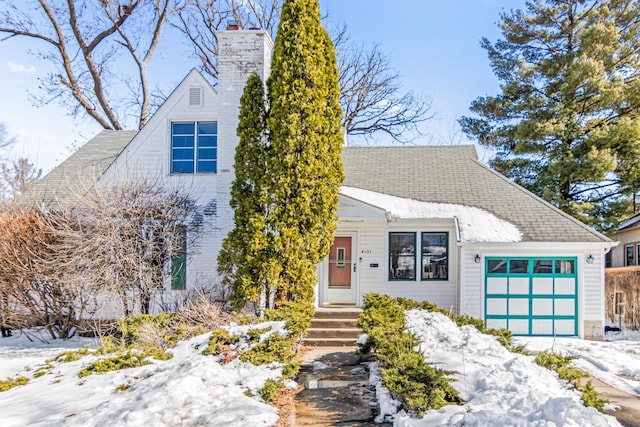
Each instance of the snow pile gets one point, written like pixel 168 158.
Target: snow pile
pixel 499 387
pixel 189 389
pixel 476 225
pixel 617 363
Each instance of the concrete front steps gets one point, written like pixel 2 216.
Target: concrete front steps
pixel 333 327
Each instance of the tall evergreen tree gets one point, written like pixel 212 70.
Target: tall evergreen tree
pixel 304 165
pixel 567 123
pixel 243 261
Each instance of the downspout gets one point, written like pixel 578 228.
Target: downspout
pixel 459 275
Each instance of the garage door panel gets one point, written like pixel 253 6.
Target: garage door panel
pixel 565 286
pixel 542 327
pixel 518 286
pixel 542 307
pixel 497 323
pixel 542 286
pixel 519 326
pixel 496 306
pixel 564 307
pixel 565 327
pixel 518 306
pixel 497 285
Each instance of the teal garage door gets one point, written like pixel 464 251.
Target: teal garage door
pixel 532 295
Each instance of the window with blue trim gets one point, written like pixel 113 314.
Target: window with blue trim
pixel 194 147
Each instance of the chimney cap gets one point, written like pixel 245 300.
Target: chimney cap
pixel 232 24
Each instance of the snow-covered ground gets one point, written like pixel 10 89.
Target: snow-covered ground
pixel 499 387
pixel 188 390
pixel 615 361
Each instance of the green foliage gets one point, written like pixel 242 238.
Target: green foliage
pixel 562 365
pixel 146 329
pixel 124 360
pixel 297 316
pixel 420 386
pixel 404 370
pixel 10 383
pixel 43 370
pixel 245 259
pixel 566 124
pixel 303 163
pixel 271 390
pixel 73 355
pixel 591 398
pixel 290 370
pixel 218 340
pixel 275 348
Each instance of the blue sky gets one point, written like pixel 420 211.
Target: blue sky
pixel 433 44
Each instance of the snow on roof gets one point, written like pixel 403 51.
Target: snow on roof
pixel 476 225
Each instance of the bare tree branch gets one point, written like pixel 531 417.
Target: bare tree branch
pixel 83 41
pixel 371 97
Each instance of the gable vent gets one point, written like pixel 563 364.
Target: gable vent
pixel 195 96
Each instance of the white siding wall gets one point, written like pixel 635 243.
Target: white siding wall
pixel 471 284
pixel 593 290
pixel 372 248
pixel 148 156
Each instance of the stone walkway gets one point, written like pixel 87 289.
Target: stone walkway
pixel 336 389
pixel 629 413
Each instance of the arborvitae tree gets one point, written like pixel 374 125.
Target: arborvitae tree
pixel 304 165
pixel 567 123
pixel 243 261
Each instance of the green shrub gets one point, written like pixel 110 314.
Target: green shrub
pixel 73 355
pixel 276 348
pixel 290 370
pixel 124 360
pixel 562 365
pixel 591 398
pixel 271 390
pixel 253 335
pixel 404 370
pixel 146 330
pixel 10 383
pixel 297 316
pixel 217 341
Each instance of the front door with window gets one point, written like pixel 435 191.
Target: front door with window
pixel 339 287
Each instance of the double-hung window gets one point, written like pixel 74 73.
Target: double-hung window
pixel 194 147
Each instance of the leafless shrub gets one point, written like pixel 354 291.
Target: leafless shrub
pixel 126 236
pixel 37 285
pixel 204 311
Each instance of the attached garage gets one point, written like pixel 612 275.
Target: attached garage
pixel 532 295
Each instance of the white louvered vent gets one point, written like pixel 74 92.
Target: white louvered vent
pixel 195 96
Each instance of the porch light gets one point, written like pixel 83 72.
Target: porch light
pixel 477 259
pixel 590 259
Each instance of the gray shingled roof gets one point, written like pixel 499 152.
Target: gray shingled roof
pixel 444 174
pixel 70 179
pixel 452 174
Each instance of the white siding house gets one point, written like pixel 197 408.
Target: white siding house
pixel 423 222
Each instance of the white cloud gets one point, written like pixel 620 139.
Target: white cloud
pixel 17 68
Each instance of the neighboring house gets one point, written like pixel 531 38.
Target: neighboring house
pixel 623 275
pixel 428 223
pixel 627 253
